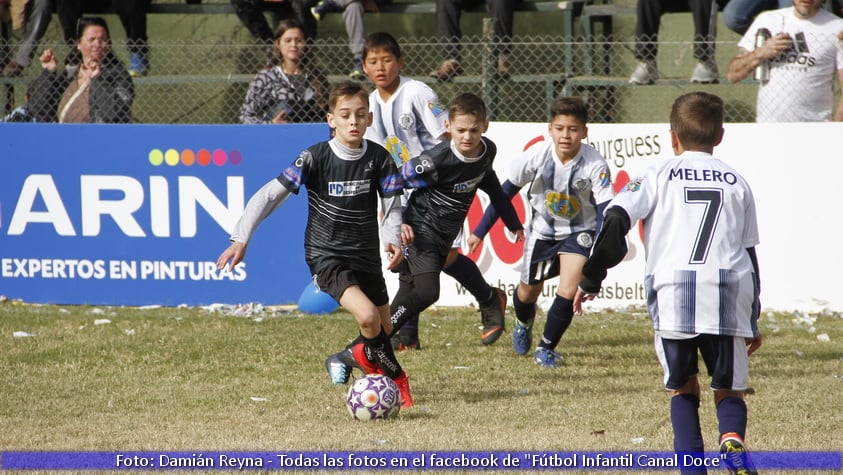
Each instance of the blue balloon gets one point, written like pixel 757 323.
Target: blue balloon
pixel 313 300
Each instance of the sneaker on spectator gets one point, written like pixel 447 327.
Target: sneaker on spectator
pixel 705 72
pixel 645 73
pixel 492 316
pixel 737 457
pixel 138 65
pixel 323 8
pixel 449 69
pixel 403 383
pixel 522 337
pixel 547 358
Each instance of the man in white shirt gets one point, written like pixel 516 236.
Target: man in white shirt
pixel 803 53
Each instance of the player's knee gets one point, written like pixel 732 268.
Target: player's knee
pixel 369 321
pixel 692 386
pixel 721 394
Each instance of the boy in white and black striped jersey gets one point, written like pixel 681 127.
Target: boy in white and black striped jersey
pixel 701 273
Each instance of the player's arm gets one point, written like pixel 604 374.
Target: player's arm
pixel 260 205
pixel 608 251
pixel 419 172
pixel 502 202
pixel 391 229
pixel 491 215
pixel 755 342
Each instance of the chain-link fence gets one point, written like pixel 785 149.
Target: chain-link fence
pixel 207 82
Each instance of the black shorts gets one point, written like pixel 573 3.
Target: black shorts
pixel 541 257
pixel 724 356
pixel 334 279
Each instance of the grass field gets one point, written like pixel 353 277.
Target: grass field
pixel 186 379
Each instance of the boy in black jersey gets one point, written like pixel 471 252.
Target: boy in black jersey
pixel 446 178
pixel 343 177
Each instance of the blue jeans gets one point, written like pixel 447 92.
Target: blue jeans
pixel 738 14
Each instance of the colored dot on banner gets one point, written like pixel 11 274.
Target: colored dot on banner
pixel 203 157
pixel 156 157
pixel 171 156
pixel 235 157
pixel 219 157
pixel 187 157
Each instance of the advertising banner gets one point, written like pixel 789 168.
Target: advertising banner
pixel 137 214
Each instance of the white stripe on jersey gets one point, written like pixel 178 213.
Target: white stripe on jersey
pixel 413 115
pixel 563 197
pixel 699 219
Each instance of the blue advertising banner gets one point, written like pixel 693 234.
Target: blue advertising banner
pixel 137 214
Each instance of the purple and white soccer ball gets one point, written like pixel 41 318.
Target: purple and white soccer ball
pixel 373 396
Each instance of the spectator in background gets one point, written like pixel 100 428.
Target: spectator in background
pixel 352 17
pixel 250 13
pixel 132 15
pixel 738 14
pixel 21 114
pixel 803 54
pixel 293 89
pixel 647 32
pixel 448 30
pixel 37 15
pixel 98 90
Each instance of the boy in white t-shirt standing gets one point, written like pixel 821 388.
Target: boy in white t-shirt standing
pixel 701 273
pixel 409 119
pixel 803 53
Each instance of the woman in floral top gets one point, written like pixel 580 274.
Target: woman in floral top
pixel 292 90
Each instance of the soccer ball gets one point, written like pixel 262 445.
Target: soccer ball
pixel 373 396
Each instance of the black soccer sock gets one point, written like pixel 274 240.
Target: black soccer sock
pixel 558 320
pixel 685 417
pixel 465 271
pixel 524 312
pixel 731 415
pixel 412 299
pixel 381 352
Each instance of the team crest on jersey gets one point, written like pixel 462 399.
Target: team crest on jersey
pixel 605 178
pixel 349 188
pixel 562 205
pixel 581 184
pixel 585 239
pixel 436 108
pixel 399 151
pixel 634 185
pixel 406 121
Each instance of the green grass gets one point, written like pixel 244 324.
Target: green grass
pixel 183 379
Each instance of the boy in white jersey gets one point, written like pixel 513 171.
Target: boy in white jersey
pixel 569 186
pixel 702 281
pixel 409 119
pixel 341 236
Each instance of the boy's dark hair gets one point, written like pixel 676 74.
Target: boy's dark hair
pixel 347 89
pixel 697 119
pixel 573 106
pixel 468 103
pixel 381 40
